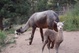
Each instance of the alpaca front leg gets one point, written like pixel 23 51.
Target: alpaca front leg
pixel 49 50
pixel 41 32
pixel 57 47
pixel 32 36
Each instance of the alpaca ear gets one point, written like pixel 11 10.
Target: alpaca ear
pixel 55 22
pixel 20 28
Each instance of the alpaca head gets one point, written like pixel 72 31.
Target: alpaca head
pixel 18 32
pixel 60 25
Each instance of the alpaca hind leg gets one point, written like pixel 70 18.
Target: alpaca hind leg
pixel 41 32
pixel 52 44
pixel 32 36
pixel 46 41
pixel 48 46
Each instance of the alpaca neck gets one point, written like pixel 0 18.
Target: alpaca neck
pixel 60 32
pixel 25 28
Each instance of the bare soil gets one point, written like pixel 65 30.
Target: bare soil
pixel 69 45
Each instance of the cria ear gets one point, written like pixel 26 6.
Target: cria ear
pixel 55 22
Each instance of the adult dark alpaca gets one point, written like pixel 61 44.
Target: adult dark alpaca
pixel 44 19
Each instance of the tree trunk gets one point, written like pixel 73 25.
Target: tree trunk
pixel 1 23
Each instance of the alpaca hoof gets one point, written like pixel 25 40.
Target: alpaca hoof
pixel 42 41
pixel 30 43
pixel 51 47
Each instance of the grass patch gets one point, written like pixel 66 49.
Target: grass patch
pixel 9 31
pixel 2 38
pixel 6 39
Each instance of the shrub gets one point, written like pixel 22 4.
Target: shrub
pixel 71 19
pixel 62 17
pixel 71 23
pixel 2 38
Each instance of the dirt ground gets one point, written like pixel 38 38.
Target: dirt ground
pixel 69 45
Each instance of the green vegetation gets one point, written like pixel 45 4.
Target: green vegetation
pixel 2 38
pixel 9 31
pixel 18 11
pixel 71 19
pixel 6 38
